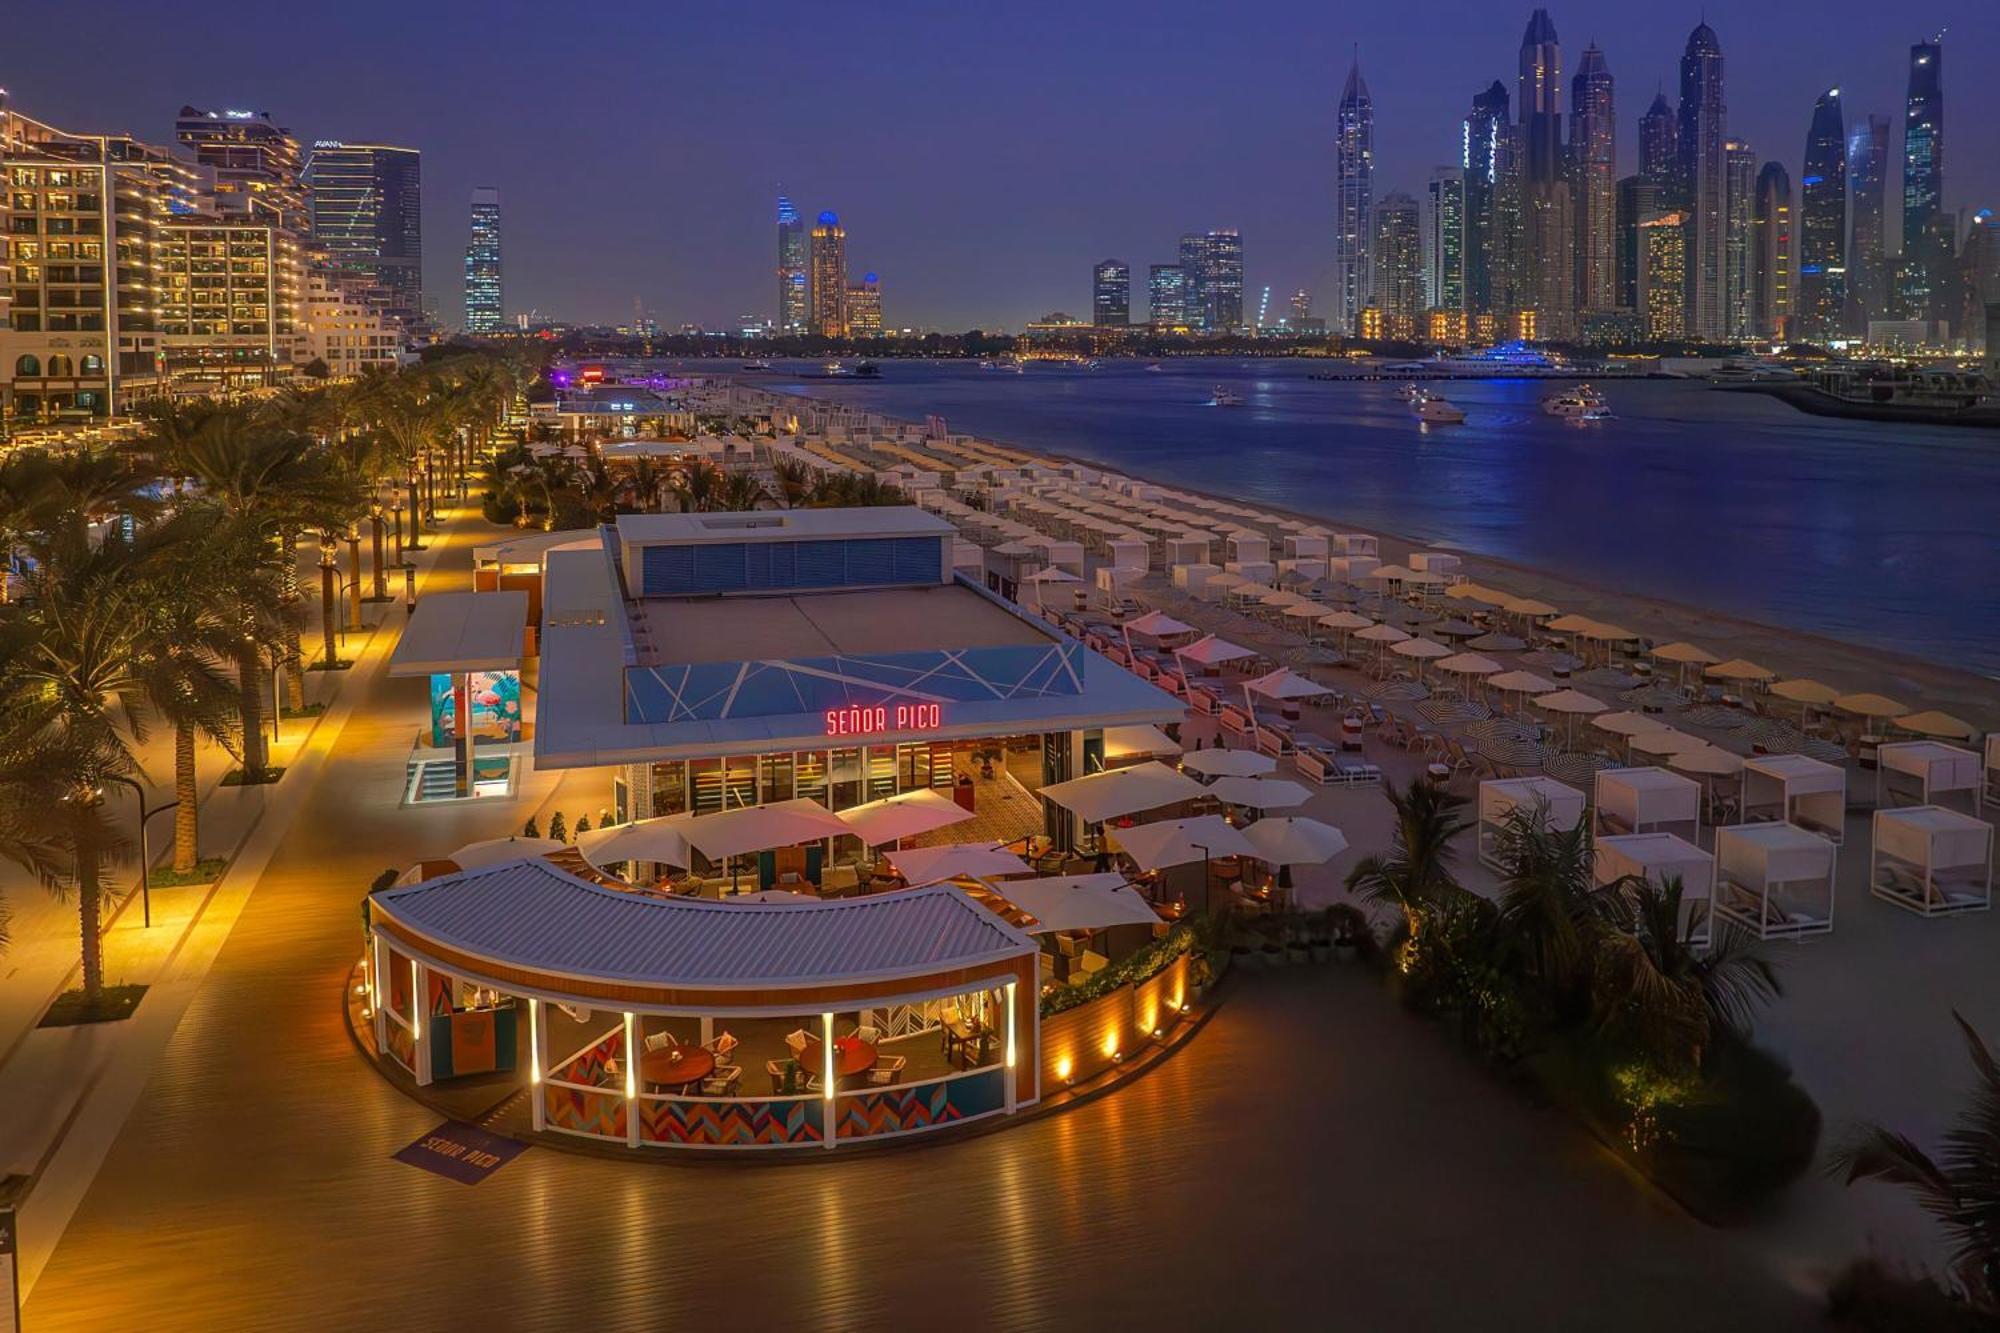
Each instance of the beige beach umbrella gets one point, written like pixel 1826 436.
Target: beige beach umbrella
pixel 1528 606
pixel 1228 578
pixel 1737 668
pixel 1684 653
pixel 1570 703
pixel 1870 705
pixel 1934 723
pixel 1626 723
pixel 1571 624
pixel 1468 664
pixel 1606 633
pixel 1666 742
pixel 1806 693
pixel 1278 597
pixel 1346 621
pixel 1522 682
pixel 1472 592
pixel 1421 651
pixel 1381 634
pixel 1707 762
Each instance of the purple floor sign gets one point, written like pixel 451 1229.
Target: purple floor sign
pixel 461 1152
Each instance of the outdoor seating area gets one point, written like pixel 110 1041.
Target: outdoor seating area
pixel 1658 858
pixel 1931 860
pixel 1776 880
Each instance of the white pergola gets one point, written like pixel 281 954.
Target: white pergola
pixel 1499 798
pixel 1938 770
pixel 1648 800
pixel 1659 857
pixel 1775 879
pixel 1795 789
pixel 1932 861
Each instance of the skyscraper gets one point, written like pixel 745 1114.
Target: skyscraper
pixel 1739 195
pixel 1703 183
pixel 1547 208
pixel 794 282
pixel 1166 297
pixel 1979 264
pixel 485 307
pixel 256 161
pixel 1663 277
pixel 1222 280
pixel 1639 200
pixel 1593 137
pixel 366 202
pixel 1482 161
pixel 1444 240
pixel 1396 288
pixel 1659 144
pixel 864 307
pixel 1822 289
pixel 1111 294
pixel 1772 289
pixel 1867 243
pixel 1354 197
pixel 1194 281
pixel 1923 179
pixel 829 277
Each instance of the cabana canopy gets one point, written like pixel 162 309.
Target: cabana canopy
pixel 1212 651
pixel 1638 800
pixel 1177 842
pixel 1284 683
pixel 1078 902
pixel 1794 788
pixel 1122 791
pixel 1764 868
pixel 1157 625
pixel 1682 651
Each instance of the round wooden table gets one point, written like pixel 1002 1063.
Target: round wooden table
pixel 851 1056
pixel 676 1066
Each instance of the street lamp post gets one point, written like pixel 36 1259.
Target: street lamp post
pixel 146 812
pixel 381 579
pixel 326 580
pixel 354 577
pixel 396 512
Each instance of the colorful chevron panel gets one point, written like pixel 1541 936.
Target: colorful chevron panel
pixel 731 1124
pixel 402 1046
pixel 902 1110
pixel 581 1112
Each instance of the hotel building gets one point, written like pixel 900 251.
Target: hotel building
pixel 829 277
pixel 367 216
pixel 485 299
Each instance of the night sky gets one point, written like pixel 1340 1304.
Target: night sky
pixel 982 156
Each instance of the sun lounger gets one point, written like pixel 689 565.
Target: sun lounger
pixel 1274 738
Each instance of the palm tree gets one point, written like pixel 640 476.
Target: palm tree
pixel 794 481
pixel 741 491
pixel 1552 912
pixel 1416 875
pixel 699 489
pixel 1653 988
pixel 1961 1189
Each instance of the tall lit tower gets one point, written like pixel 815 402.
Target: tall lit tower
pixel 1593 138
pixel 1823 222
pixel 1703 182
pixel 1547 207
pixel 1771 289
pixel 1659 145
pixel 1111 294
pixel 1396 284
pixel 794 283
pixel 366 201
pixel 485 307
pixel 1739 208
pixel 1923 177
pixel 829 277
pixel 1444 240
pixel 1867 244
pixel 1486 244
pixel 1354 198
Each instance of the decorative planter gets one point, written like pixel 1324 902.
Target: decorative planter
pixel 1297 952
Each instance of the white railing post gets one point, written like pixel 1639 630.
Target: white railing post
pixel 830 1125
pixel 537 1039
pixel 420 1030
pixel 375 993
pixel 1007 1074
pixel 631 1084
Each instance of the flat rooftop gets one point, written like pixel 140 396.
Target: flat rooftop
pixel 671 631
pixel 780 525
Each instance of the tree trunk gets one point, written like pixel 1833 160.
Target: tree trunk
pixel 250 695
pixel 295 669
pixel 187 827
pixel 89 916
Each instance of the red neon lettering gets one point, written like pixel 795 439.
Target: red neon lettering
pixel 858 720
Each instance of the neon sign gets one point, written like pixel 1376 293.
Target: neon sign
pixel 865 720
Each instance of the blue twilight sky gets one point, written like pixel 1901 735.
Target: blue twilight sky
pixel 982 156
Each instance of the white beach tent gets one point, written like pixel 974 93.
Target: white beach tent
pixel 1559 803
pixel 1647 800
pixel 1932 861
pixel 1121 791
pixel 1796 789
pixel 1659 857
pixel 1933 770
pixel 1775 879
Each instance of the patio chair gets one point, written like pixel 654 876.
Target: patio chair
pixel 888 1071
pixel 660 1041
pixel 723 1082
pixel 722 1045
pixel 795 1042
pixel 871 1035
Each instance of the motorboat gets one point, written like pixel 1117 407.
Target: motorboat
pixel 1007 366
pixel 1224 398
pixel 1582 403
pixel 1412 391
pixel 868 370
pixel 1156 368
pixel 834 368
pixel 1436 410
pixel 756 365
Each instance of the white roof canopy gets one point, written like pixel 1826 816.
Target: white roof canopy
pixel 1284 683
pixel 1157 625
pixel 928 865
pixel 1078 902
pixel 1287 840
pixel 1212 651
pixel 1759 854
pixel 1122 791
pixel 463 631
pixel 1259 793
pixel 1501 797
pixel 1657 856
pixel 1220 763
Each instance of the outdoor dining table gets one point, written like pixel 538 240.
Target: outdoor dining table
pixel 676 1066
pixel 851 1057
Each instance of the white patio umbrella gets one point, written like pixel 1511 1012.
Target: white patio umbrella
pixel 1522 682
pixel 1221 763
pixel 1293 840
pixel 1177 842
pixel 662 839
pixel 929 865
pixel 1049 574
pixel 1121 791
pixel 1468 664
pixel 905 815
pixel 1259 793
pixel 1078 902
pixel 758 828
pixel 1420 651
pixel 1382 636
pixel 1209 651
pixel 498 851
pixel 1157 625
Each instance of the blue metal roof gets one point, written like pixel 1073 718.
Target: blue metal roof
pixel 535 916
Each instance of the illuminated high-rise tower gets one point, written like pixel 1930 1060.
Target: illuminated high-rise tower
pixel 1771 288
pixel 1739 208
pixel 829 277
pixel 1593 138
pixel 1704 183
pixel 1486 160
pixel 794 281
pixel 1867 243
pixel 485 307
pixel 366 203
pixel 1926 245
pixel 1111 294
pixel 1548 241
pixel 1444 240
pixel 1822 290
pixel 1354 198
pixel 1659 145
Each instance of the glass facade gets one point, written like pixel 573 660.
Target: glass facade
pixel 485 302
pixel 367 214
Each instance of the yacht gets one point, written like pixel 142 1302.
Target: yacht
pixel 834 368
pixel 1436 410
pixel 756 365
pixel 868 370
pixel 1156 368
pixel 1224 398
pixel 1007 366
pixel 1582 403
pixel 1412 391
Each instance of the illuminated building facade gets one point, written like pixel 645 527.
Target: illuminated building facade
pixel 228 310
pixel 1396 287
pixel 1111 294
pixel 1167 298
pixel 485 296
pixel 1704 184
pixel 367 216
pixel 829 277
pixel 794 270
pixel 1822 283
pixel 344 331
pixel 1663 247
pixel 1354 199
pixel 1773 260
pixel 1740 178
pixel 1444 240
pixel 864 307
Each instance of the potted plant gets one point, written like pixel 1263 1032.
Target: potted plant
pixel 988 755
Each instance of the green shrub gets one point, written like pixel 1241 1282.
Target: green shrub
pixel 1147 962
pixel 1751 1131
pixel 1870 1297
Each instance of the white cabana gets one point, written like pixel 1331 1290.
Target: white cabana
pixel 1078 902
pixel 982 860
pixel 1290 840
pixel 1932 861
pixel 1137 742
pixel 1992 788
pixel 1648 800
pixel 1795 789
pixel 1179 842
pixel 1284 684
pixel 495 851
pixel 1121 791
pixel 1659 857
pixel 1775 879
pixel 1499 798
pixel 1220 763
pixel 1929 770
pixel 903 816
pixel 1258 793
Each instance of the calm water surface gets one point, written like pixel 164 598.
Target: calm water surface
pixel 1878 534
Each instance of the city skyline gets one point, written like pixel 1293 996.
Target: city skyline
pixel 973 231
